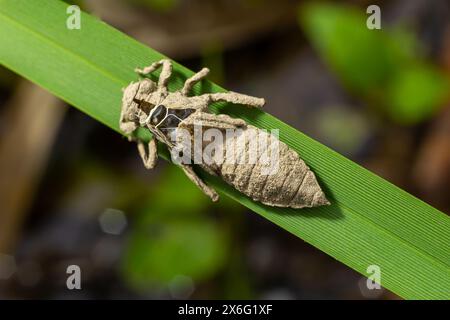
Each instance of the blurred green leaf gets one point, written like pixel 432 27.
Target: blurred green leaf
pixel 383 66
pixel 159 251
pixel 403 46
pixel 173 234
pixel 416 93
pixel 172 191
pixel 358 55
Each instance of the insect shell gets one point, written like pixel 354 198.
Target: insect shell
pixel 150 105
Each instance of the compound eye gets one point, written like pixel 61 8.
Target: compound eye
pixel 159 114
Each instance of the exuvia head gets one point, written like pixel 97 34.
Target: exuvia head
pixel 132 94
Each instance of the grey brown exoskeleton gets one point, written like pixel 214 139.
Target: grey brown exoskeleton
pixel 150 105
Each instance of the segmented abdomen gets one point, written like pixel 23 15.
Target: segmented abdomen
pixel 290 184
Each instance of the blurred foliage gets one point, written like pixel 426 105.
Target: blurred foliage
pixel 174 235
pixel 359 56
pixel 161 250
pixel 174 190
pixel 415 93
pixel 384 67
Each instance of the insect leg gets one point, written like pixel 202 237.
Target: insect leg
pixel 150 155
pixel 237 98
pixel 166 71
pixel 128 127
pixel 210 120
pixel 193 80
pixel 210 192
